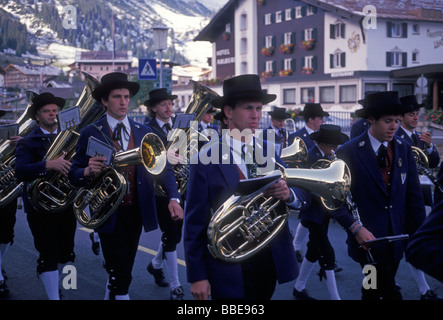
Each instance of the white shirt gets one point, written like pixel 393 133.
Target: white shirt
pixel 375 143
pixel 161 124
pixel 409 133
pixel 47 132
pixel 113 123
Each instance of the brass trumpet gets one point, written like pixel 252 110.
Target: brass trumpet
pixel 94 204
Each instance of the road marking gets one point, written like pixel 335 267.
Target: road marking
pixel 141 248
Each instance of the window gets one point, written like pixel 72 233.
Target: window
pixel 244 67
pixel 269 41
pixel 375 87
pixel 307 95
pixel 243 46
pixel 289 96
pixel 269 66
pixel 327 94
pixel 415 56
pixel 288 37
pixel 309 62
pixel 278 17
pixel 337 59
pixel 288 64
pixel 309 34
pixel 348 94
pixel 288 14
pixel 404 89
pixel 396 58
pixel 337 30
pixel 268 19
pixel 415 28
pixel 397 30
pixel 243 21
pixel 311 10
pixel 298 12
pixel 228 27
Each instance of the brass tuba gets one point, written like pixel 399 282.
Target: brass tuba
pixel 94 204
pixel 200 103
pixel 10 188
pixel 422 162
pixel 295 155
pixel 245 224
pixel 55 193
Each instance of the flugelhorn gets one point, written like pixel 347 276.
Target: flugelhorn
pixel 10 188
pixel 295 155
pixel 55 193
pixel 200 103
pixel 422 162
pixel 244 224
pixel 94 204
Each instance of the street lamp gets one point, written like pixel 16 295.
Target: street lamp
pixel 160 44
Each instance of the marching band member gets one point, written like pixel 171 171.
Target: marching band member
pixel 316 219
pixel 7 223
pixel 278 117
pixel 53 232
pixel 211 184
pixel 120 234
pixel 362 124
pixel 205 122
pixel 407 131
pixel 385 188
pixel 160 104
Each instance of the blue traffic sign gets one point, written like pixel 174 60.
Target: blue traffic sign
pixel 147 69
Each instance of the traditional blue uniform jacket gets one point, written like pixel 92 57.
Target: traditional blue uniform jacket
pixel 402 211
pixel 424 250
pixel 302 133
pixel 210 185
pixel 145 181
pixel 276 137
pixel 153 124
pixel 359 127
pixel 29 164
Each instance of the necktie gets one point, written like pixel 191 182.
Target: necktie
pixel 119 130
pixel 282 137
pixel 251 165
pixel 166 128
pixel 382 157
pixel 385 156
pixel 415 139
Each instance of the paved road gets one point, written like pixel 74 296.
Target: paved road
pixel 20 263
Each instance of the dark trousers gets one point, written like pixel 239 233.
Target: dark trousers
pixel 386 288
pixel 7 222
pixel 319 247
pixel 259 276
pixel 171 230
pixel 120 247
pixel 53 238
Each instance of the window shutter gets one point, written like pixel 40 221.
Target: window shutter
pixel 314 34
pixel 314 63
pixel 274 68
pixel 293 13
pixel 293 38
pixel 303 35
pixel 314 9
pixel 404 59
pixel 404 33
pixel 332 31
pixel 303 11
pixel 331 61
pixel 272 17
pixel 282 64
pixel 388 59
pixel 293 64
pixel 342 31
pixel 303 62
pixel 389 30
pixel 273 41
pixel 343 59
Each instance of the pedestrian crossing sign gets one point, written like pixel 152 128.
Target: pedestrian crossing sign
pixel 147 69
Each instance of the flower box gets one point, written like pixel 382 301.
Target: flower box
pixel 226 35
pixel 267 51
pixel 267 74
pixel 308 44
pixel 307 70
pixel 287 48
pixel 285 73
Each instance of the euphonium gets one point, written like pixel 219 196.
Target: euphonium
pixel 94 204
pixel 10 188
pixel 295 155
pixel 422 163
pixel 200 103
pixel 54 193
pixel 245 224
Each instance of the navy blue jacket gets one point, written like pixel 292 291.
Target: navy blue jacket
pixel 29 164
pixel 145 181
pixel 210 185
pixel 302 133
pixel 402 211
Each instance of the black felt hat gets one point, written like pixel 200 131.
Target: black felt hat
pixel 381 103
pixel 410 103
pixel 279 113
pixel 329 133
pixel 363 101
pixel 312 110
pixel 43 99
pixel 246 87
pixel 114 80
pixel 157 95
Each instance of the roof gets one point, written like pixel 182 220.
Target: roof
pixel 217 23
pixel 35 70
pixel 427 70
pixel 424 10
pixel 103 56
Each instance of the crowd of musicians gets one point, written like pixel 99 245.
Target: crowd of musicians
pixel 389 192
